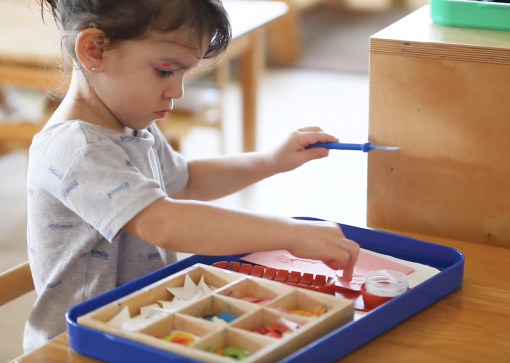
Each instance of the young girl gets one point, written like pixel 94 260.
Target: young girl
pixel 108 199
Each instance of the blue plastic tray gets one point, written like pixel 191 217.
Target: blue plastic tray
pixel 111 348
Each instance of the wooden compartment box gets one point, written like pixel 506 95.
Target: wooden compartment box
pixel 231 287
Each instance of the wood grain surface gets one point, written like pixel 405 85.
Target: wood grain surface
pixel 449 115
pixel 15 282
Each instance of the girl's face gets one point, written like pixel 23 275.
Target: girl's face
pixel 139 79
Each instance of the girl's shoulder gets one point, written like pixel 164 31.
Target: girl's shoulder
pixel 74 132
pixel 55 149
pixel 61 143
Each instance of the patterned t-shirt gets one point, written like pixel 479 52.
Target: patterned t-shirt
pixel 85 183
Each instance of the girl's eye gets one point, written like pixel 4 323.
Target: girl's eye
pixel 164 74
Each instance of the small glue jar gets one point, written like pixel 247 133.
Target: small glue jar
pixel 383 285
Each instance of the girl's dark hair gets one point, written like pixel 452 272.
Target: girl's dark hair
pixel 122 20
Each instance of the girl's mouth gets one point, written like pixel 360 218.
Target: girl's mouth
pixel 162 113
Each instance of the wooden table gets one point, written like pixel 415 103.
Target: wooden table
pixel 471 324
pixel 441 94
pixel 29 51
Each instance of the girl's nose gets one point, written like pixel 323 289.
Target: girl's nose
pixel 174 91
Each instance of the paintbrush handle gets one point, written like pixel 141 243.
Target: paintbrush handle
pixel 341 146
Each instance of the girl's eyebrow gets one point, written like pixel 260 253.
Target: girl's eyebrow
pixel 174 61
pixel 168 62
pixel 163 64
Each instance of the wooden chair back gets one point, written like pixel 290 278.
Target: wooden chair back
pixel 15 283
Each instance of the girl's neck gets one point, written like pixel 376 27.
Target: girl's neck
pixel 82 103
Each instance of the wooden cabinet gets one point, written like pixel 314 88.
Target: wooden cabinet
pixel 442 95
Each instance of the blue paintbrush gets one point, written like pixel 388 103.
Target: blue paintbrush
pixel 366 147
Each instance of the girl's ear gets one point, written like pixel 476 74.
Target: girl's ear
pixel 89 48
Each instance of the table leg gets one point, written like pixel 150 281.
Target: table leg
pixel 221 74
pixel 3 148
pixel 285 37
pixel 2 97
pixel 251 68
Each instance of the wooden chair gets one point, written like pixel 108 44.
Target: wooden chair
pixel 18 133
pixel 201 107
pixel 15 283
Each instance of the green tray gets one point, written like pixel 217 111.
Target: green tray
pixel 470 14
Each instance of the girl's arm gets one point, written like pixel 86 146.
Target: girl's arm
pixel 198 227
pixel 215 178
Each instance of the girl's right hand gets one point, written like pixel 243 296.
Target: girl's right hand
pixel 325 241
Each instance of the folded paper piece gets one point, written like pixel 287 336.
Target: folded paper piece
pixel 139 322
pixel 176 303
pixel 218 321
pixel 273 330
pixel 180 337
pixel 292 325
pixel 186 294
pixel 221 317
pixel 202 287
pixel 231 352
pixel 121 317
pixel 283 260
pixel 151 313
pixel 149 310
pixel 148 315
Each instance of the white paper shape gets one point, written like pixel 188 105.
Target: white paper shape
pixel 121 317
pixel 196 297
pixel 140 322
pixel 177 292
pixel 190 289
pixel 202 286
pixel 219 321
pixel 136 323
pixel 148 315
pixel 149 310
pixel 293 326
pixel 173 305
pixel 187 292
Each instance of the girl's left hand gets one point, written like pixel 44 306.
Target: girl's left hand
pixel 293 153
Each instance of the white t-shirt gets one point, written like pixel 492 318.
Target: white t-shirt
pixel 85 183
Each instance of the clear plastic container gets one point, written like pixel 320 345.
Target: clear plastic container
pixel 387 283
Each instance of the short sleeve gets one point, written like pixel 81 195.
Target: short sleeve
pixel 174 166
pixel 104 190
